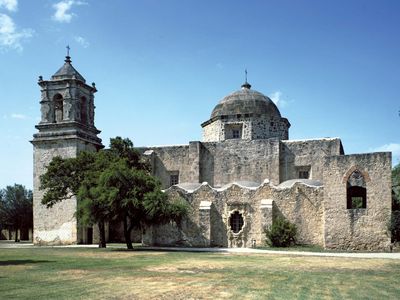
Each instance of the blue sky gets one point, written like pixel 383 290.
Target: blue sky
pixel 161 66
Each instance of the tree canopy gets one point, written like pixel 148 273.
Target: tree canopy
pixel 16 208
pixel 112 184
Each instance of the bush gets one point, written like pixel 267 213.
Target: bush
pixel 282 233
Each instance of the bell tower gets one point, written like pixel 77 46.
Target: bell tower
pixel 66 128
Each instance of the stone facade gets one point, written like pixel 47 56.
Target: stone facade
pixel 318 210
pixel 221 163
pixel 250 128
pixel 246 169
pixel 306 155
pixel 258 207
pixel 238 180
pixel 362 228
pixel 66 128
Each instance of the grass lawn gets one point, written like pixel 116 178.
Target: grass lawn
pixel 90 273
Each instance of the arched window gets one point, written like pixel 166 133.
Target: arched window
pixel 58 108
pixel 236 222
pixel 84 110
pixel 356 191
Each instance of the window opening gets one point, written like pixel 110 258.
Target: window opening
pixel 83 110
pixel 304 175
pixel 236 222
pixel 303 172
pixel 174 178
pixel 233 131
pixel 357 202
pixel 356 191
pixel 58 108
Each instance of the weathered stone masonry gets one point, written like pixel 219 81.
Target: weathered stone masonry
pixel 363 228
pixel 66 128
pixel 306 182
pixel 238 180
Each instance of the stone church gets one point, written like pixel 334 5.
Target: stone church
pixel 242 175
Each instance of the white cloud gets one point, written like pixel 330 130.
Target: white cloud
pixel 82 41
pixel 10 5
pixel 392 147
pixel 276 97
pixel 10 36
pixel 63 12
pixel 18 116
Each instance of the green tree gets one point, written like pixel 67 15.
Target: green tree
pixel 92 207
pixel 112 184
pixel 16 209
pixel 136 198
pixel 78 177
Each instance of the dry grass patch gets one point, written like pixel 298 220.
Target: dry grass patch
pixel 105 254
pixel 74 273
pixel 159 287
pixel 309 263
pixel 195 267
pixel 109 274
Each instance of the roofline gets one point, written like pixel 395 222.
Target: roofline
pixel 239 116
pixel 313 139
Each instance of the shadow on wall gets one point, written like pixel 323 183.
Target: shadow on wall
pixel 286 163
pixel 218 234
pixel 189 234
pixel 161 172
pixel 207 166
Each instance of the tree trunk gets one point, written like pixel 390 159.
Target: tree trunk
pixel 127 234
pixel 16 235
pixel 102 233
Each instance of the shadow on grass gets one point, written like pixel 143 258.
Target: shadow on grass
pixel 135 250
pixel 168 249
pixel 22 262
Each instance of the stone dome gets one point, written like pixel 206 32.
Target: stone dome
pixel 245 101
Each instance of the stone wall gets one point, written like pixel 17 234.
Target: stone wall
pixel 263 128
pixel 300 204
pixel 190 232
pixel 255 127
pixel 240 160
pixel 360 229
pixel 212 132
pixel 217 163
pixel 170 158
pixel 56 225
pixel 220 163
pixel 307 153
